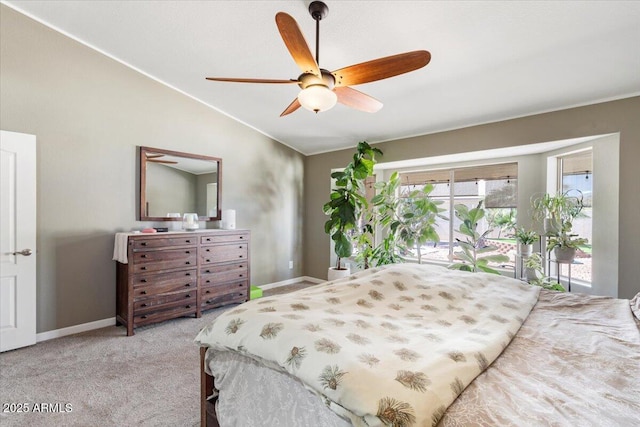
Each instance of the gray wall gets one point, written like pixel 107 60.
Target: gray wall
pixel 170 190
pixel 89 114
pixel 598 119
pixel 202 181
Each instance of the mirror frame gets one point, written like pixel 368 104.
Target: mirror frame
pixel 143 182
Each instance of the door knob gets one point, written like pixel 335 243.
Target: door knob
pixel 25 252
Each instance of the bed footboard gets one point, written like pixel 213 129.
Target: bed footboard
pixel 208 417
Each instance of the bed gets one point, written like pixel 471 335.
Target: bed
pixel 420 345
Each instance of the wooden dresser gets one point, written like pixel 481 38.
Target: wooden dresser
pixel 176 274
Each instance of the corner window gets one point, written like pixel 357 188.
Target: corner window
pixel 575 175
pixel 496 185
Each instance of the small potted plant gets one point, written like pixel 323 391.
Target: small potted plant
pixel 533 267
pixel 557 211
pixel 525 239
pixel 564 246
pixel 535 274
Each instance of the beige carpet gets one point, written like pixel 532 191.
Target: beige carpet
pixel 108 379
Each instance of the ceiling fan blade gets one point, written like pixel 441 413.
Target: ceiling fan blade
pixel 225 79
pixel 297 45
pixel 356 99
pixel 154 156
pixel 169 162
pixel 381 68
pixel 291 108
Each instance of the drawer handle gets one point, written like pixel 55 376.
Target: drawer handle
pixel 143 305
pixel 188 262
pixel 208 260
pixel 143 293
pixel 208 281
pixel 208 250
pixel 143 317
pixel 187 285
pixel 208 239
pixel 143 244
pixel 187 252
pixel 209 301
pixel 143 280
pixel 239 256
pixel 188 241
pixel 240 247
pixel 143 268
pixel 241 237
pixel 208 292
pixel 188 274
pixel 143 256
pixel 188 296
pixel 240 275
pixel 188 306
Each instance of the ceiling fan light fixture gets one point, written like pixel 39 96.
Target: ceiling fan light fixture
pixel 321 89
pixel 317 98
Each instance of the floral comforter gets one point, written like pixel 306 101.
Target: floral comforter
pixel 388 346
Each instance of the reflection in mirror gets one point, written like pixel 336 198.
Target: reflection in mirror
pixel 173 183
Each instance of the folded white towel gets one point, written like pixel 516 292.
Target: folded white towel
pixel 120 247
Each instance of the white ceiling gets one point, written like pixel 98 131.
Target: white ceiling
pixel 491 60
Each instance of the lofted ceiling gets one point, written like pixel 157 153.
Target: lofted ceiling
pixel 491 60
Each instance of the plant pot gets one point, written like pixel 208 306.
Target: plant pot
pixel 335 274
pixel 532 274
pixel 525 250
pixel 564 254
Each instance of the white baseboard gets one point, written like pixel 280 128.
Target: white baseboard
pixel 57 333
pixel 290 282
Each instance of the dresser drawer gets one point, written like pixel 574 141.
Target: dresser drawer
pixel 159 316
pixel 224 294
pixel 225 288
pixel 159 302
pixel 163 260
pixel 224 253
pixel 224 238
pixel 214 274
pixel 164 242
pixel 145 285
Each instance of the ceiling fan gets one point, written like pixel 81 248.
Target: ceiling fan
pixel 321 89
pixel 155 158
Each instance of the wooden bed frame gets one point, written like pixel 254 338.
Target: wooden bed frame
pixel 208 417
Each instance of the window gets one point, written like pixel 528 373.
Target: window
pixel 575 175
pixel 496 185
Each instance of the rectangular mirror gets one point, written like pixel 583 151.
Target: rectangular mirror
pixel 172 182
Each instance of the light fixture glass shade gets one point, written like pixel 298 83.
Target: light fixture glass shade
pixel 317 98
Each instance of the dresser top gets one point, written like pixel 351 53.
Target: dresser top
pixel 122 239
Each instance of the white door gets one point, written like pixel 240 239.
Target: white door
pixel 17 240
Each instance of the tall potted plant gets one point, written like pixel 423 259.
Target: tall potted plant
pixel 347 203
pixel 410 220
pixel 473 247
